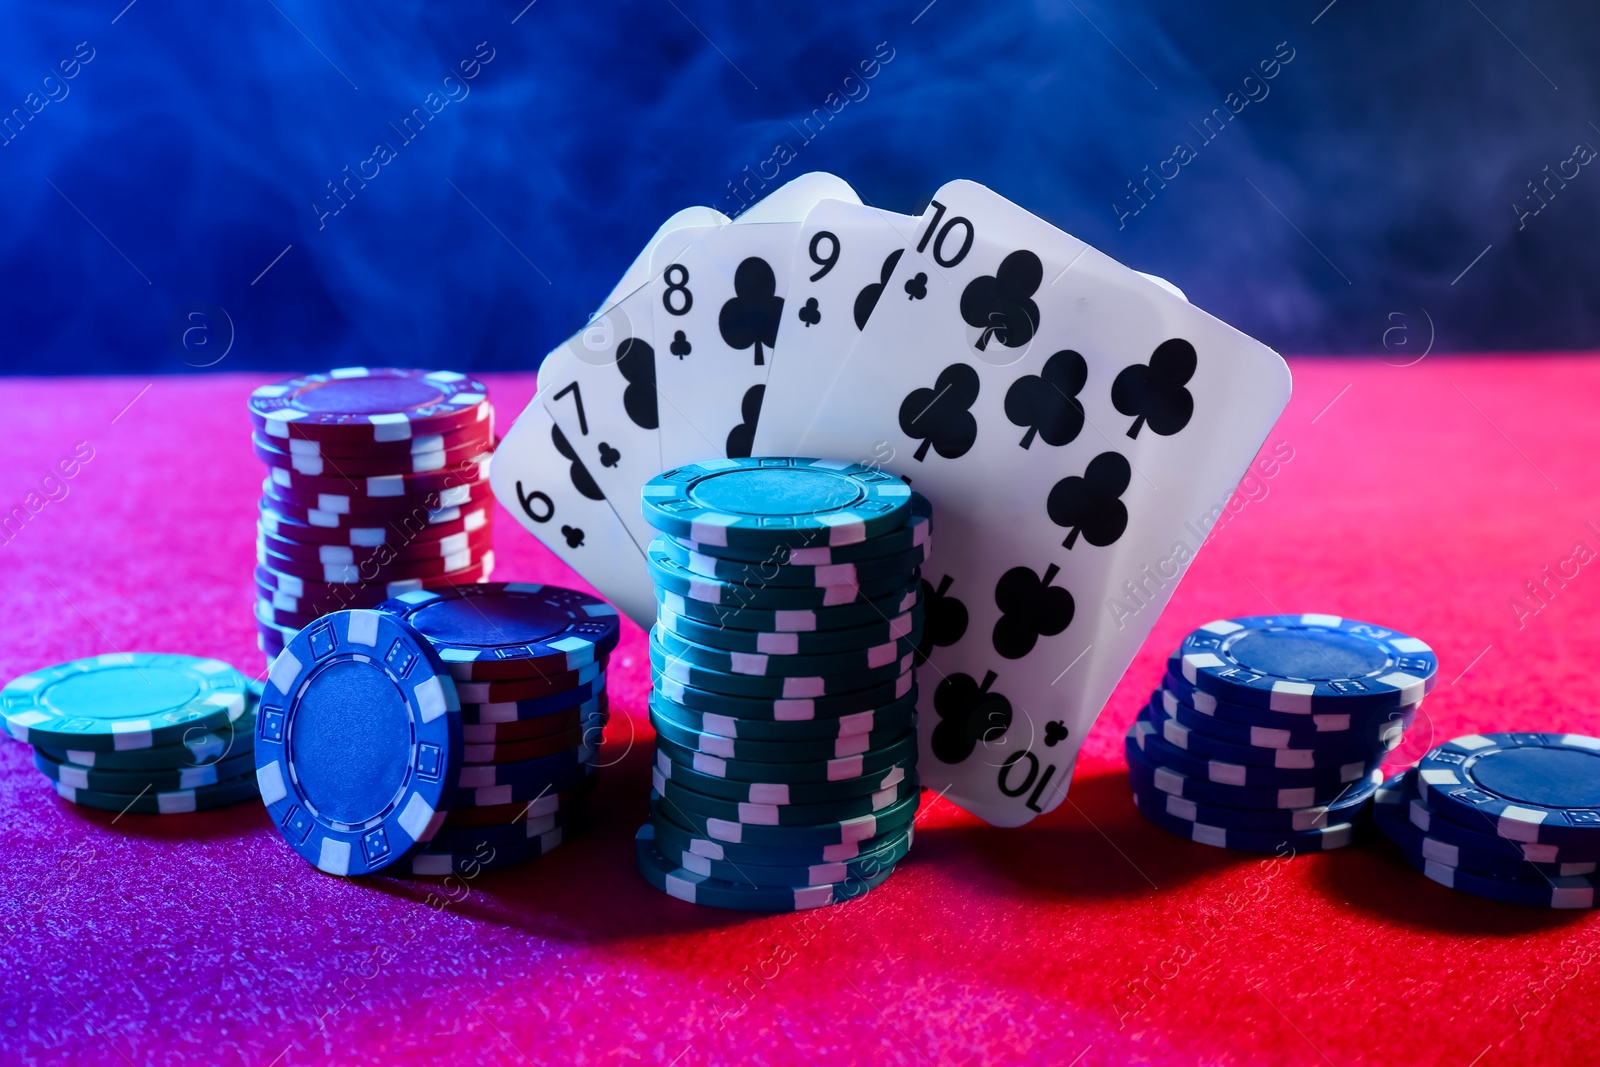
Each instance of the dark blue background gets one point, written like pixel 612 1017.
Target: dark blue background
pixel 190 151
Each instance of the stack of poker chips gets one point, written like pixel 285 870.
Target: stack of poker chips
pixel 378 483
pixel 783 699
pixel 140 732
pixel 1268 732
pixel 465 746
pixel 1514 817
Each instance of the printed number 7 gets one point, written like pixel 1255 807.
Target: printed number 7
pixel 577 400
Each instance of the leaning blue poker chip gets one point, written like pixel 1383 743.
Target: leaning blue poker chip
pixel 1389 812
pixel 1143 735
pixel 1304 664
pixel 1204 791
pixel 1277 842
pixel 507 630
pixel 916 533
pixel 756 792
pixel 1526 787
pixel 358 743
pixel 696 888
pixel 761 502
pixel 122 701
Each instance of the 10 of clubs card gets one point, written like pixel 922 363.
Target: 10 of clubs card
pixel 1066 416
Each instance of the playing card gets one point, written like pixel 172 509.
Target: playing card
pixel 842 260
pixel 1073 424
pixel 600 386
pixel 720 321
pixel 539 478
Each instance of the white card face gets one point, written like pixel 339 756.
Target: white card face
pixel 720 320
pixel 842 259
pixel 1077 428
pixel 537 476
pixel 600 387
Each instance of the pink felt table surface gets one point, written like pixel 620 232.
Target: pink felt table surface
pixel 1422 498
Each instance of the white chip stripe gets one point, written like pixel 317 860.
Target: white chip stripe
pixel 1221 627
pixel 1195 662
pixel 1292 697
pixel 334 856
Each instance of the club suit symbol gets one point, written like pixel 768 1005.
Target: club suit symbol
pixel 969 715
pixel 1154 394
pixel 1001 304
pixel 751 318
pixel 1047 403
pixel 939 416
pixel 867 299
pixel 1091 505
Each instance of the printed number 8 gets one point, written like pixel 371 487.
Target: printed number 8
pixel 677 285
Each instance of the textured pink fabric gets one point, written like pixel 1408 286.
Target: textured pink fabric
pixel 1422 498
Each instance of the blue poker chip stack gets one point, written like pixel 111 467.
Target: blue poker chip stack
pixel 1514 817
pixel 1268 733
pixel 447 731
pixel 783 693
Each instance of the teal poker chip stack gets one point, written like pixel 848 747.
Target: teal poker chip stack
pixel 1268 733
pixel 784 696
pixel 142 733
pixel 1513 817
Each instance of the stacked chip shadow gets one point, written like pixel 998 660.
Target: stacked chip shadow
pixel 1513 817
pixel 377 484
pixel 783 695
pixel 1268 733
pixel 144 733
pixel 448 731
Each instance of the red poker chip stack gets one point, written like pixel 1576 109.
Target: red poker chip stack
pixel 377 484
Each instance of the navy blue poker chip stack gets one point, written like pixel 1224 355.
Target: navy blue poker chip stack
pixel 447 731
pixel 1513 817
pixel 1268 733
pixel 789 608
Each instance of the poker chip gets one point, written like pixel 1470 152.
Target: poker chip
pixel 681 799
pixel 435 548
pixel 672 577
pixel 357 405
pixel 1202 745
pixel 581 737
pixel 1304 664
pixel 907 626
pixel 811 835
pixel 564 766
pixel 358 746
pixel 856 661
pixel 466 838
pixel 198 747
pixel 756 792
pixel 781 709
pixel 1366 722
pixel 1346 805
pixel 769 573
pixel 767 751
pixel 758 503
pixel 548 803
pixel 494 733
pixel 469 473
pixel 511 630
pixel 140 782
pixel 479 433
pixel 1480 838
pixel 1373 733
pixel 1143 736
pixel 1164 778
pixel 1281 843
pixel 122 701
pixel 482 857
pixel 1560 892
pixel 836 683
pixel 1389 806
pixel 363 509
pixel 316 462
pixel 373 573
pixel 175 802
pixel 512 711
pixel 695 888
pixel 875 761
pixel 529 688
pixel 899 715
pixel 419 516
pixel 562 775
pixel 1532 788
pixel 783 692
pixel 800 620
pixel 398 533
pixel 685 850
